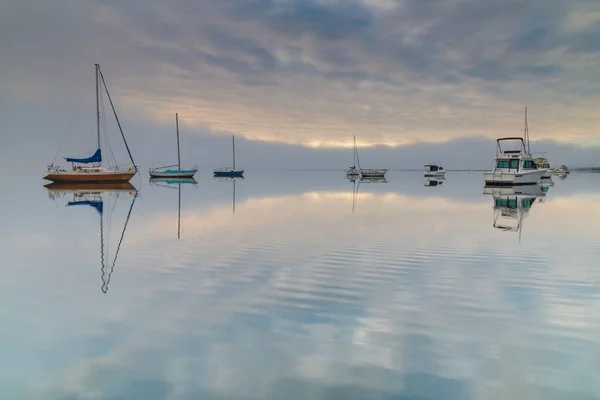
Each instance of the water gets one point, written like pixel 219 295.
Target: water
pixel 410 293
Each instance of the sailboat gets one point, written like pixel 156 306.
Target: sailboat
pixel 91 194
pixel 352 171
pixel 362 172
pixel 167 172
pixel 229 171
pixel 90 169
pixel 167 182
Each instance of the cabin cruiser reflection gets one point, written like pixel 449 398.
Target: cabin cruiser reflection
pixel 437 181
pixel 513 167
pixel 94 195
pixel 512 204
pixel 434 170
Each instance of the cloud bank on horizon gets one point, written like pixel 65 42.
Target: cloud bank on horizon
pixel 315 72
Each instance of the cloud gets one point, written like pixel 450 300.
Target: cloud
pixel 305 72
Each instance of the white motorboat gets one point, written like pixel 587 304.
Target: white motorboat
pixel 513 167
pixel 434 170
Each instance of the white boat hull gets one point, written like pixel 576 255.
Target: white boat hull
pixel 373 173
pixel 513 178
pixel 435 174
pixel 547 173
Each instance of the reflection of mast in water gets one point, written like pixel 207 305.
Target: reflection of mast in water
pixel 356 186
pixel 230 178
pixel 90 194
pixel 166 183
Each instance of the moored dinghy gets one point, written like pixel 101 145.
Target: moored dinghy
pixel 167 171
pixel 90 169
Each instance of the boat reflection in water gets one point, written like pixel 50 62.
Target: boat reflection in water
pixel 230 178
pixel 356 185
pixel 434 181
pixel 513 203
pixel 95 195
pixel 170 183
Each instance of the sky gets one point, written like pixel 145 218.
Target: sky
pixel 410 77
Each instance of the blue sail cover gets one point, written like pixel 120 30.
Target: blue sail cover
pixel 98 205
pixel 96 158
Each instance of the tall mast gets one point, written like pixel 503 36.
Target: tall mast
pixel 355 150
pixel 233 143
pixel 177 127
pixel 97 66
pixel 528 146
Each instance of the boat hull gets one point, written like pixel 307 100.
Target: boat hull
pixel 547 173
pixel 512 178
pixel 174 174
pixel 435 174
pixel 229 173
pixel 373 173
pixel 89 177
pixel 90 186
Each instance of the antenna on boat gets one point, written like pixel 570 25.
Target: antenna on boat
pixel 178 156
pixel 528 146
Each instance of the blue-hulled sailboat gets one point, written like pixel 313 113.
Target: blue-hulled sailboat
pixel 230 171
pixel 167 171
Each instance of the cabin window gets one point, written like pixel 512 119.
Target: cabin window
pixel 528 164
pixel 507 203
pixel 514 164
pixel 502 164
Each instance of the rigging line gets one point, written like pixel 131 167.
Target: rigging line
pixel 62 141
pixel 117 118
pixel 112 268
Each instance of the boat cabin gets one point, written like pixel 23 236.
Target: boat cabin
pixel 433 168
pixel 513 160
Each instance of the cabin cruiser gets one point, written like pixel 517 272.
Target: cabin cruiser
pixel 513 167
pixel 434 170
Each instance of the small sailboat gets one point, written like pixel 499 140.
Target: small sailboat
pixel 352 171
pixel 167 172
pixel 229 171
pixel 90 169
pixel 513 167
pixel 364 172
pixel 434 170
pixel 93 195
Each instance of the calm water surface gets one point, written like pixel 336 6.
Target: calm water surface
pixel 302 289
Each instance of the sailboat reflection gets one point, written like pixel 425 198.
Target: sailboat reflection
pixel 513 203
pixel 434 181
pixel 93 195
pixel 230 178
pixel 166 183
pixel 356 185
